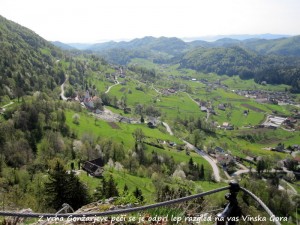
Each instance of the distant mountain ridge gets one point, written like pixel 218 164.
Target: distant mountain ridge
pixel 248 64
pixel 62 45
pixel 168 45
pixel 283 46
pixel 239 37
pixel 262 44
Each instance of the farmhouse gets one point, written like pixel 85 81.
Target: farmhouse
pixel 296 147
pixel 91 102
pixel 227 126
pixel 94 167
pixel 221 107
pixel 274 121
pixel 124 120
pixel 219 150
pixel 152 123
pixel 203 109
pixel 224 159
pixel 171 90
pixel 249 159
pixel 212 111
pixel 278 148
pixel 290 120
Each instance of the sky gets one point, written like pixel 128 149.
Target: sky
pixel 91 21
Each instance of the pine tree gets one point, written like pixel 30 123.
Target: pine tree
pixel 125 190
pixel 191 164
pixel 77 194
pixel 138 194
pixel 65 188
pixel 201 174
pixel 101 190
pixel 260 167
pixel 56 188
pixel 112 190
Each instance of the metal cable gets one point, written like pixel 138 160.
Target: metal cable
pixel 130 210
pixel 114 212
pixel 261 203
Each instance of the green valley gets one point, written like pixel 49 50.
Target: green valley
pixel 146 121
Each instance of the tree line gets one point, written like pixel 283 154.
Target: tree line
pixel 247 64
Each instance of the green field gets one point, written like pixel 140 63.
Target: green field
pixel 177 105
pixel 100 128
pixel 181 105
pixel 122 178
pixel 124 134
pixel 133 95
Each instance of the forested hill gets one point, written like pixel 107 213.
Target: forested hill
pixel 163 44
pixel 27 62
pixel 283 46
pixel 157 49
pixel 62 45
pixel 286 46
pixel 229 61
pixel 245 63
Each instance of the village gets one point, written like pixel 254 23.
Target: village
pixel 221 157
pixel 262 96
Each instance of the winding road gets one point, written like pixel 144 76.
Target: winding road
pixel 213 164
pixel 211 161
pixel 168 128
pixel 108 89
pixel 62 88
pixel 207 112
pixel 157 91
pixel 3 107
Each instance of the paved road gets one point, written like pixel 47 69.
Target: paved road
pixel 201 153
pixel 213 164
pixel 3 107
pixel 157 91
pixel 62 87
pixel 168 128
pixel 117 82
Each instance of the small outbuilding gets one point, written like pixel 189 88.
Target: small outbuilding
pixel 94 167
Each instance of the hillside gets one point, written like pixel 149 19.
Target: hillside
pixel 157 49
pixel 43 137
pixel 62 45
pixel 283 46
pixel 163 44
pixel 27 62
pixel 163 127
pixel 230 61
pixel 262 44
pixel 246 63
pixel 251 58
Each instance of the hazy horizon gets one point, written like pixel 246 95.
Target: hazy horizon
pixel 208 38
pixel 101 21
